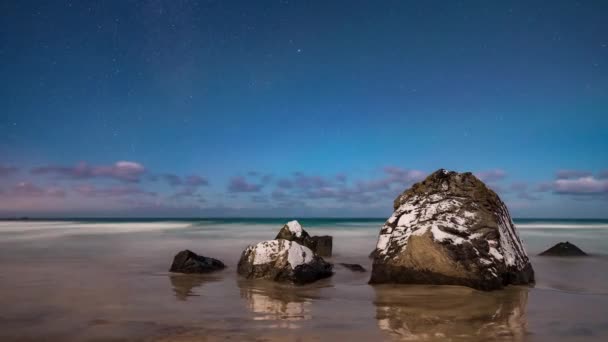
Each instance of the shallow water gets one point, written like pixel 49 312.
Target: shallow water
pixel 74 281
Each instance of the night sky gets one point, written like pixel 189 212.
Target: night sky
pixel 299 108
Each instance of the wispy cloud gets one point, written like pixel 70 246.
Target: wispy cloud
pixel 89 190
pixel 240 184
pixel 489 176
pixel 126 171
pixel 191 180
pixel 26 189
pixel 6 171
pixel 583 185
pixel 572 174
pixel 576 182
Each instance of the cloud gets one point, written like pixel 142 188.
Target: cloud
pixel 195 181
pixel 303 181
pixel 314 187
pixel 190 181
pixel 394 177
pixel 126 171
pixel 88 190
pixel 189 186
pixel 572 174
pixel 6 171
pixel 603 174
pixel 188 193
pixel 279 195
pixel 259 199
pixel 240 184
pixel 173 180
pixel 494 175
pixel 581 186
pixel 576 182
pixel 26 189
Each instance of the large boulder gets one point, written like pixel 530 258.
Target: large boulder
pixel 293 231
pixel 187 261
pixel 283 261
pixel 564 249
pixel 450 229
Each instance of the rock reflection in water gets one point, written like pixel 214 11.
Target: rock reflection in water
pixel 281 307
pixel 451 313
pixel 184 285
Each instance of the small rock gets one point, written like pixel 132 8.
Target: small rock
pixel 293 231
pixel 353 267
pixel 283 261
pixel 187 261
pixel 563 249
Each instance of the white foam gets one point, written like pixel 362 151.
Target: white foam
pixel 21 230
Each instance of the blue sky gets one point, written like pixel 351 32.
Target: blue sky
pixel 183 108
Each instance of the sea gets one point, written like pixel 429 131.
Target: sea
pixel 107 280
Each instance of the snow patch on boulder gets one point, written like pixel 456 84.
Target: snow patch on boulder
pixel 295 227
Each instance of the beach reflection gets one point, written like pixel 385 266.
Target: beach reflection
pixel 451 313
pixel 280 307
pixel 184 285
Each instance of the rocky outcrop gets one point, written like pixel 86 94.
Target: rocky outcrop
pixel 283 261
pixel 187 261
pixel 563 249
pixel 293 231
pixel 450 229
pixel 353 267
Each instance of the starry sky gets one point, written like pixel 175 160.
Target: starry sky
pixel 299 108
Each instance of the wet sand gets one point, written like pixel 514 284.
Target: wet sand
pixel 100 287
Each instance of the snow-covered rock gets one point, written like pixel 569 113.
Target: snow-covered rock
pixel 450 229
pixel 293 231
pixel 283 261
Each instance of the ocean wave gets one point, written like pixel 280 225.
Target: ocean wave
pixel 51 229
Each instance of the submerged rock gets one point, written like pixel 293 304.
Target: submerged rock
pixel 353 267
pixel 187 261
pixel 293 231
pixel 563 249
pixel 283 261
pixel 450 229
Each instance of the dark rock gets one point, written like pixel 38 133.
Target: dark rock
pixel 353 267
pixel 283 261
pixel 450 229
pixel 187 261
pixel 563 249
pixel 293 231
